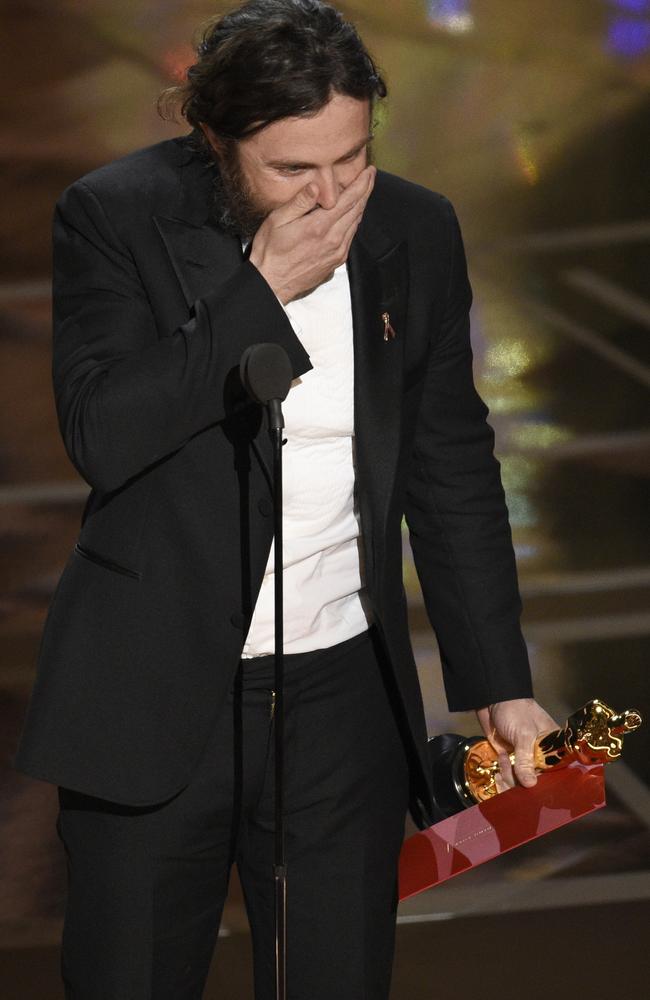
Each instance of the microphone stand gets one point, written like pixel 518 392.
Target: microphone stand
pixel 276 425
pixel 266 374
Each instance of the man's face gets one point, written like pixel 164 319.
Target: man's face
pixel 267 170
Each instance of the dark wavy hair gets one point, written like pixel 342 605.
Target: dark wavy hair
pixel 272 59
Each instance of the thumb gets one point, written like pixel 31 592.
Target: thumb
pixel 300 204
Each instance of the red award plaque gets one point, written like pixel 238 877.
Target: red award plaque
pixel 491 828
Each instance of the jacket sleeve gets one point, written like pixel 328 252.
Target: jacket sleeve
pixel 125 396
pixel 458 520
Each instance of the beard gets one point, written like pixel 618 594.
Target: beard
pixel 235 208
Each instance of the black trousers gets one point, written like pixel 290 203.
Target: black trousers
pixel 147 885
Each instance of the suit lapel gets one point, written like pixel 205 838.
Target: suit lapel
pixel 378 270
pixel 202 255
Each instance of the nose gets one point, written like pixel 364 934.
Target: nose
pixel 328 188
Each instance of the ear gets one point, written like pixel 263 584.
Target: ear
pixel 211 137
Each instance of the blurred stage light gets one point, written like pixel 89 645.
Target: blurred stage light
pixel 176 61
pixel 628 36
pixel 538 434
pixel 525 159
pixel 638 6
pixel 454 15
pixel 525 551
pixel 519 476
pixel 506 359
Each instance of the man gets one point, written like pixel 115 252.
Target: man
pixel 153 707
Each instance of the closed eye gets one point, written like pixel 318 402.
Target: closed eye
pixel 297 168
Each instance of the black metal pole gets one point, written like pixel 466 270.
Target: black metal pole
pixel 279 861
pixel 266 373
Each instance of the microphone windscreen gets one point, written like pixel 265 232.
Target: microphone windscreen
pixel 266 373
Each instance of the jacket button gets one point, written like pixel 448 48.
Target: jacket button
pixel 237 619
pixel 265 507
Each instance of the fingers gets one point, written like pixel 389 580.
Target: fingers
pixel 359 190
pixel 505 778
pixel 524 766
pixel 343 232
pixel 339 236
pixel 522 772
pixel 301 203
pixel 483 716
pixel 300 243
pixel 494 739
pixel 513 728
pixel 307 199
pixel 347 239
pixel 352 199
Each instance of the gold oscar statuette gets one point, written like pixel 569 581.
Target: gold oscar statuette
pixel 592 735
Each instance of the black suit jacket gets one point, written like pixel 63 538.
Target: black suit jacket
pixel 153 307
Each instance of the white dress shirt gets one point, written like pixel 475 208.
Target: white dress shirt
pixel 324 596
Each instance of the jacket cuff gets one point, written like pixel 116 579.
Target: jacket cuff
pixel 249 307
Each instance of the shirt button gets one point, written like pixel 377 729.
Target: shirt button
pixel 237 619
pixel 265 507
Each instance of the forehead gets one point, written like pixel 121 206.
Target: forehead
pixel 327 135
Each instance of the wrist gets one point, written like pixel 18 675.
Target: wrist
pixel 281 293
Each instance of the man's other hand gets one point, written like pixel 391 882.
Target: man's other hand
pixel 299 245
pixel 513 726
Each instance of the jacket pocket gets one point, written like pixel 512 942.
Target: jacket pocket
pixel 106 563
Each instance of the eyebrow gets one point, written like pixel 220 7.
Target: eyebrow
pixel 311 166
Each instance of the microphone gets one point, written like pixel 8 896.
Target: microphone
pixel 266 374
